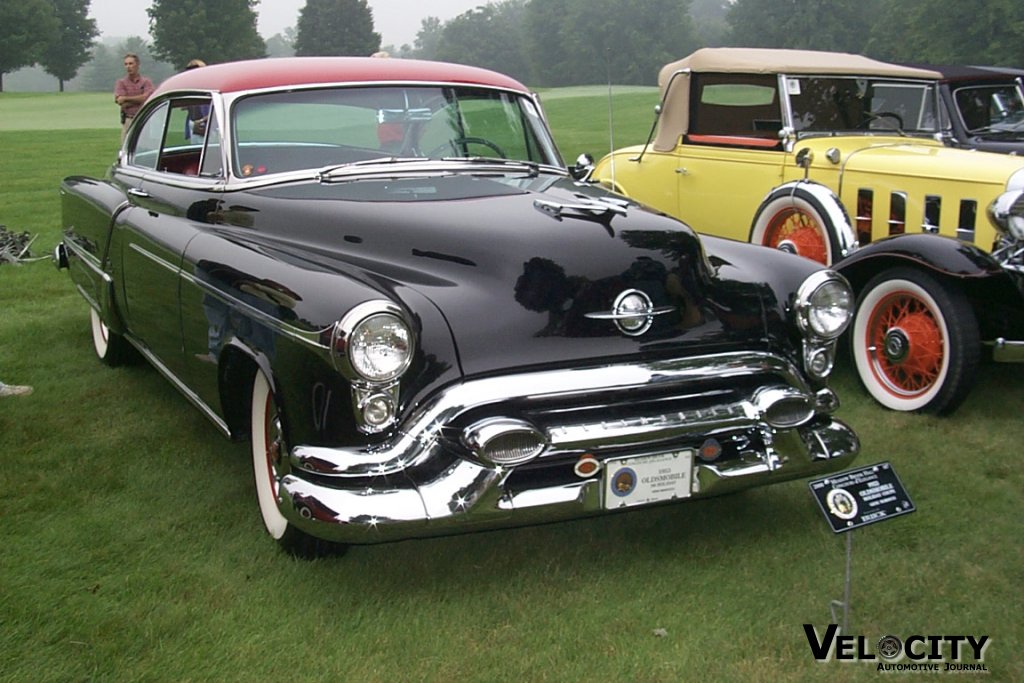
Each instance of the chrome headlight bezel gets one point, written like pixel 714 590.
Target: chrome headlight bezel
pixel 1007 213
pixel 373 328
pixel 824 305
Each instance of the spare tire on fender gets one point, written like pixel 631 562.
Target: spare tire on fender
pixel 804 218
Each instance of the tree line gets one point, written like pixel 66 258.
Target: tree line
pixel 541 42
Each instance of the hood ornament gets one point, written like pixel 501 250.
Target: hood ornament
pixel 632 312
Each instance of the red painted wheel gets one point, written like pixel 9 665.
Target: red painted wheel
pixel 794 230
pixel 915 342
pixel 793 220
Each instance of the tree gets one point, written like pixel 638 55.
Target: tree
pixel 282 44
pixel 709 18
pixel 490 36
pixel 26 27
pixel 211 30
pixel 336 27
pixel 835 25
pixel 428 38
pixel 943 32
pixel 594 41
pixel 64 56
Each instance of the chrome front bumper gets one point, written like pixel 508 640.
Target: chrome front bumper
pixel 424 483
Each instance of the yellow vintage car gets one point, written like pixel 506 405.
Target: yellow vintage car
pixel 827 155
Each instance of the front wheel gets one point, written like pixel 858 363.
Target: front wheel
pixel 268 453
pixel 794 220
pixel 915 342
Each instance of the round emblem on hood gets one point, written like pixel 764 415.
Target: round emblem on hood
pixel 632 312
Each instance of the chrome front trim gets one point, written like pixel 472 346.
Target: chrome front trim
pixel 468 496
pixel 420 431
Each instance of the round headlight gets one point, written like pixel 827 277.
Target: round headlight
pixel 1007 213
pixel 824 305
pixel 380 347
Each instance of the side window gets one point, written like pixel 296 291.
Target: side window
pixel 213 165
pixel 174 136
pixel 146 151
pixel 736 104
pixel 187 122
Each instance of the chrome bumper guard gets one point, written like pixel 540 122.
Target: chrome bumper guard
pixel 1006 351
pixel 420 485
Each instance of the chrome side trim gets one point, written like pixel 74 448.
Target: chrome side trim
pixel 311 339
pixel 181 386
pixel 162 262
pixel 88 259
pixel 1006 351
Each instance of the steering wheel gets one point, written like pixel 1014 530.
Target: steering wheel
pixel 462 142
pixel 876 115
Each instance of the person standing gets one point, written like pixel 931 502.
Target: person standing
pixel 131 91
pixel 198 114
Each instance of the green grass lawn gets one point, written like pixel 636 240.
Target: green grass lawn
pixel 131 546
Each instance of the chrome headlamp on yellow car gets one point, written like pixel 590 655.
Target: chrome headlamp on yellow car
pixel 824 308
pixel 1007 213
pixel 372 346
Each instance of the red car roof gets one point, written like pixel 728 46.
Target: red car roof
pixel 274 73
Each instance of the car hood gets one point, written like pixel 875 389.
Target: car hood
pixel 914 158
pixel 525 271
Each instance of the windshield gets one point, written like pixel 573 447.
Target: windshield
pixel 828 104
pixel 990 108
pixel 314 129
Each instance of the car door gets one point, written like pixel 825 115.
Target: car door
pixel 162 180
pixel 732 154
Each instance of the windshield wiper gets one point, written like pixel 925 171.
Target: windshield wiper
pixel 531 167
pixel 327 171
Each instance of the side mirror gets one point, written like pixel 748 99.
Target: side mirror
pixel 584 165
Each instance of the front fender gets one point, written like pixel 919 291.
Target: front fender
pixel 995 294
pixel 943 255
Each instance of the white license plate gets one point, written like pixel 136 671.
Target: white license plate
pixel 648 479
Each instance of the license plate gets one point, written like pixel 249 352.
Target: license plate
pixel 648 479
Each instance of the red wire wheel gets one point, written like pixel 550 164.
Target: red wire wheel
pixel 798 232
pixel 795 220
pixel 909 344
pixel 915 341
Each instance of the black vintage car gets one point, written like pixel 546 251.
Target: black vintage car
pixel 982 108
pixel 381 273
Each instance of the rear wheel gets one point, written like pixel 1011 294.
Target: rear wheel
pixel 794 220
pixel 268 452
pixel 915 342
pixel 111 348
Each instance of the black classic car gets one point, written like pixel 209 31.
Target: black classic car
pixel 381 272
pixel 982 108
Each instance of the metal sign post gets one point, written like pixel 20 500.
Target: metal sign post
pixel 856 498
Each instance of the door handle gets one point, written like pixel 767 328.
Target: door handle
pixel 683 171
pixel 136 192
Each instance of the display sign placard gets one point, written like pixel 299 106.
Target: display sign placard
pixel 856 498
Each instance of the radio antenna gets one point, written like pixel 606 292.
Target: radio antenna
pixel 611 127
